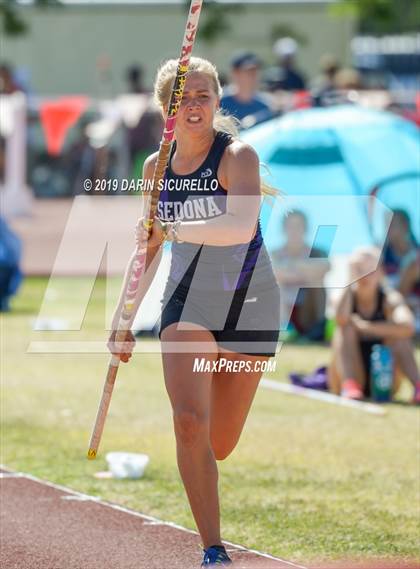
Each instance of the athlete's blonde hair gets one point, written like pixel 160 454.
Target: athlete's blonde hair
pixel 223 122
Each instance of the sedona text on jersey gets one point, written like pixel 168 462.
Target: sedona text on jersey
pixel 198 208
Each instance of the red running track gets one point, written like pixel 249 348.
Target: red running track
pixel 45 526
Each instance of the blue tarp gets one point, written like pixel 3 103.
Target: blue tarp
pixel 318 155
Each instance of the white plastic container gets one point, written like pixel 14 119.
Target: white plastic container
pixel 127 464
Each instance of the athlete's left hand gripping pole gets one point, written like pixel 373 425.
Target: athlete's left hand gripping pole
pixel 142 259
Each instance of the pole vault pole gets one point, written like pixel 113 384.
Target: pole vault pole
pixel 142 258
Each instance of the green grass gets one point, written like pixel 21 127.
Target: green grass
pixel 307 481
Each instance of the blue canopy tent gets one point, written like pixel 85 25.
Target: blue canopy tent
pixel 329 161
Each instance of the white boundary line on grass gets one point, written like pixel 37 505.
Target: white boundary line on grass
pixel 322 396
pixel 150 519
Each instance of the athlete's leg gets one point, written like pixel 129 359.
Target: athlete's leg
pixel 189 393
pixel 231 398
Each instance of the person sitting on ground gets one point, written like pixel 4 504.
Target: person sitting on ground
pixel 401 260
pixel 368 313
pixel 241 98
pixel 298 266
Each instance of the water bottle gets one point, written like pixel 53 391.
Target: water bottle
pixel 381 373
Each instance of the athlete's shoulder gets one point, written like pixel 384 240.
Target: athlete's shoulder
pixel 240 168
pixel 240 153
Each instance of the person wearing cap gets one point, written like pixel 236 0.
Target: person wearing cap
pixel 285 76
pixel 241 98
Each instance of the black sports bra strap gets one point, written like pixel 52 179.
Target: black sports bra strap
pixel 217 147
pixel 223 139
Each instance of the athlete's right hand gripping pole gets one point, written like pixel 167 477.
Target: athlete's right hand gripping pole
pixel 142 258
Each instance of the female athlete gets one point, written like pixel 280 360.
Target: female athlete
pixel 220 310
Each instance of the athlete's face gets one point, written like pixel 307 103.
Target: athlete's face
pixel 198 107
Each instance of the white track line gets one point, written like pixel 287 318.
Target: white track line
pixel 150 520
pixel 322 396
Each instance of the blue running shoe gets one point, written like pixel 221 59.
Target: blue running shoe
pixel 215 555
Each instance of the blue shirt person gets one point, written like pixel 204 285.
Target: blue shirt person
pixel 284 76
pixel 10 274
pixel 241 98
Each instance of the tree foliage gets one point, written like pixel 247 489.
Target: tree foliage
pixel 216 19
pixel 382 16
pixel 12 22
pixel 283 30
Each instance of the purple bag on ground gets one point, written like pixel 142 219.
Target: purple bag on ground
pixel 318 379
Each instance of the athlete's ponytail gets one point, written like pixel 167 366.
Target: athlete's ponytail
pixel 223 122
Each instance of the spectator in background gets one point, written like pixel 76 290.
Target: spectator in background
pixel 142 138
pixel 324 86
pixel 348 79
pixel 296 268
pixel 135 77
pixel 241 98
pixel 401 259
pixel 8 84
pixel 367 314
pixel 10 275
pixel 285 76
